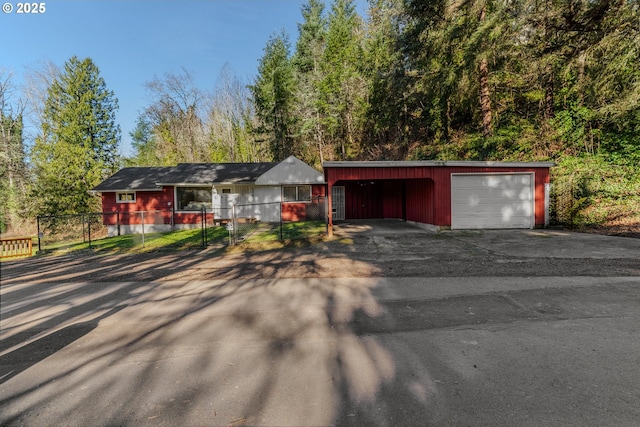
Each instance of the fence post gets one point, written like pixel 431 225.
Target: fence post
pixel 118 221
pixel 89 230
pixel 203 214
pixel 234 221
pixel 142 221
pixel 281 232
pixel 38 223
pixel 83 232
pixel 280 205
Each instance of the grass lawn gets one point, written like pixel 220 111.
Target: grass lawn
pixel 173 240
pixel 290 231
pixel 261 234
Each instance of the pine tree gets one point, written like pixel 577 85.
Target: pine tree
pixel 307 64
pixel 79 143
pixel 387 120
pixel 143 143
pixel 343 87
pixel 272 93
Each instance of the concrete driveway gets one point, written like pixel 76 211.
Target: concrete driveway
pixel 186 348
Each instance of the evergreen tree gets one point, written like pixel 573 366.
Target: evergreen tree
pixel 272 93
pixel 307 64
pixel 144 144
pixel 387 128
pixel 79 142
pixel 343 87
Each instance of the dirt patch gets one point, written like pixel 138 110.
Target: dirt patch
pixel 621 228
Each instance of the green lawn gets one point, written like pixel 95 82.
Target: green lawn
pixel 189 239
pixel 290 231
pixel 173 240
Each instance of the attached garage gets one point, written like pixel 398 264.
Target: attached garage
pixel 441 194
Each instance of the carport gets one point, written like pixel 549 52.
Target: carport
pixel 441 194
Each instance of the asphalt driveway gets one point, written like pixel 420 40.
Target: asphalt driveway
pixel 387 324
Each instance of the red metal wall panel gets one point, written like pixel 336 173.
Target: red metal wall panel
pixel 363 200
pixel 425 200
pixel 442 179
pixel 420 200
pixel 393 199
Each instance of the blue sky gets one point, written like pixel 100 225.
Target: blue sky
pixel 132 41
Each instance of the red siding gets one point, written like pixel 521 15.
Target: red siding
pixel 393 199
pixel 442 180
pixel 363 199
pixel 420 202
pixel 157 205
pixel 313 210
pixel 425 191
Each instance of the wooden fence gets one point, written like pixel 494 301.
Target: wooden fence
pixel 18 246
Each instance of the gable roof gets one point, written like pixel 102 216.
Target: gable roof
pixel 291 171
pixel 211 173
pixel 135 178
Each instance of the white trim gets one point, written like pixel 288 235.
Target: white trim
pixel 547 203
pixel 437 163
pixel 297 187
pixel 484 174
pixel 175 197
pixel 118 193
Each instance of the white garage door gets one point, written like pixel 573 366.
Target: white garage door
pixel 492 201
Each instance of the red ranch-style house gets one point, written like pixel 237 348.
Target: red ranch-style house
pixel 174 197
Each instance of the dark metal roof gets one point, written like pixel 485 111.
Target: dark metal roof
pixel 208 173
pixel 137 178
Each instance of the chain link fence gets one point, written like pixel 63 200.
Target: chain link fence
pixel 59 232
pixel 569 195
pixel 261 222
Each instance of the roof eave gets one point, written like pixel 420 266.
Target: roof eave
pixel 434 163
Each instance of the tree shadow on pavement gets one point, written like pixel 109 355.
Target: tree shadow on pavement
pixel 246 350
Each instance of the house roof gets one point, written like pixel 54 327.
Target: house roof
pixel 136 178
pixel 289 171
pixel 211 173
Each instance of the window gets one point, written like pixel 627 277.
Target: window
pixel 297 193
pixel 128 197
pixel 193 198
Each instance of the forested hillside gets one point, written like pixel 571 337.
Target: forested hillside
pixel 515 80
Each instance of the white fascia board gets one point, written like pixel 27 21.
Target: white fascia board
pixel 461 163
pixel 185 184
pixel 440 163
pixel 291 171
pixel 125 190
